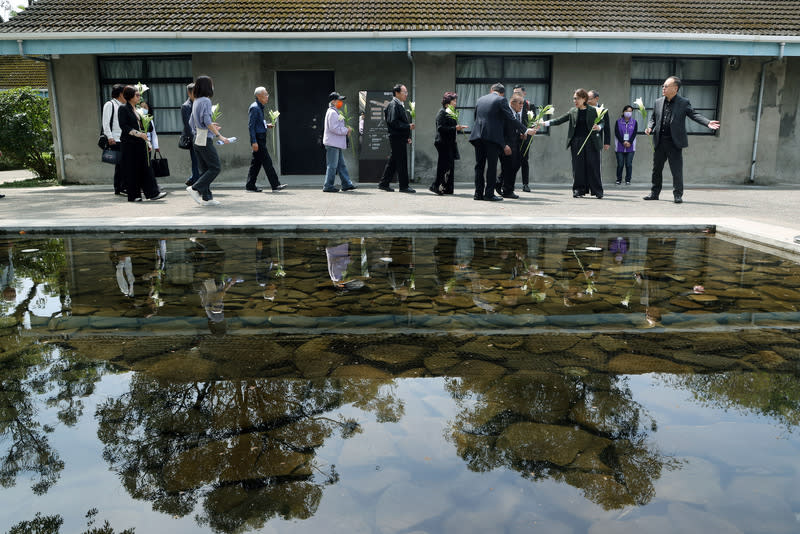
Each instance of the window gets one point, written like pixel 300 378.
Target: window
pixel 476 74
pixel 166 76
pixel 700 83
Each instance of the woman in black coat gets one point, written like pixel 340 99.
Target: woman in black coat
pixel 136 173
pixel 586 161
pixel 446 146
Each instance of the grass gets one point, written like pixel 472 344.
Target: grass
pixel 30 182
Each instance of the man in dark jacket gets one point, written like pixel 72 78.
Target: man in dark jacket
pixel 258 127
pixel 491 113
pixel 399 126
pixel 524 161
pixel 668 125
pixel 510 159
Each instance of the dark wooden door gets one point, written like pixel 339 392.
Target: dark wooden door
pixel 303 101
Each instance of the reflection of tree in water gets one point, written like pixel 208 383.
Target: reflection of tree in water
pixel 244 449
pixel 775 395
pixel 585 431
pixel 32 375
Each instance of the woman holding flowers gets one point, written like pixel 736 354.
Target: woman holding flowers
pixel 625 133
pixel 204 130
pixel 447 128
pixel 585 148
pixel 136 173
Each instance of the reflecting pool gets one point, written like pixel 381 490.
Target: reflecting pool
pixel 399 383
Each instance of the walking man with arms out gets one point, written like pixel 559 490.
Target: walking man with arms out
pixel 668 126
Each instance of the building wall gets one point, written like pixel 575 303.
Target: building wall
pixel 721 159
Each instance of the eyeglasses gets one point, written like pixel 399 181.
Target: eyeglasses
pixel 666 86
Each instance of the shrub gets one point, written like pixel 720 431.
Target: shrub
pixel 26 137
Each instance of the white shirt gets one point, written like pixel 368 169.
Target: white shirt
pixel 114 131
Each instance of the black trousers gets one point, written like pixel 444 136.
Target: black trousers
pixel 445 167
pixel 398 162
pixel 509 165
pixel 667 151
pixel 137 176
pixel 524 164
pixel 585 168
pixel 261 159
pixel 119 182
pixel 486 156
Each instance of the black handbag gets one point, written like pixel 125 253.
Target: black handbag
pixel 102 141
pixel 111 156
pixel 185 142
pixel 160 165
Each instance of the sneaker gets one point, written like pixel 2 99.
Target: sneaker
pixel 159 196
pixel 194 194
pixel 331 190
pixel 253 189
pixel 280 187
pixel 408 190
pixel 386 188
pixel 211 202
pixel 526 188
pixel 350 187
pixel 618 182
pixel 627 183
pixel 189 182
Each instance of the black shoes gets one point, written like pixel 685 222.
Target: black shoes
pixel 350 187
pixel 651 197
pixel 435 190
pixel 678 200
pixel 618 182
pixel 493 198
pixel 280 187
pixel 386 187
pixel 477 197
pixel 407 190
pixel 577 194
pixel 331 190
pixel 599 197
pixel 254 189
pixel 511 195
pixel 526 188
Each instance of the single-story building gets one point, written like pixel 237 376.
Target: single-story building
pixel 739 61
pixel 16 72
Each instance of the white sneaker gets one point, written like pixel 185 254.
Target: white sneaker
pixel 159 196
pixel 195 195
pixel 211 202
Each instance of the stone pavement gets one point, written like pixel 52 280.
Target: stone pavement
pixel 768 215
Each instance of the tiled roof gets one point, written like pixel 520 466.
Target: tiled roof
pixel 749 17
pixel 20 72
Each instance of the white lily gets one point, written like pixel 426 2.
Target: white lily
pixel 413 107
pixel 216 113
pixel 142 88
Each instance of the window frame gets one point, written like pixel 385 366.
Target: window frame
pixel 673 61
pixel 548 82
pixel 145 79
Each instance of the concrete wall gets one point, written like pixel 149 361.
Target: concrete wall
pixel 721 159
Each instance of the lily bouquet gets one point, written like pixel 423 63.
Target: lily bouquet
pixel 344 114
pixel 534 120
pixel 144 117
pixel 216 113
pixel 273 119
pixel 412 110
pixel 601 112
pixel 453 113
pixel 643 110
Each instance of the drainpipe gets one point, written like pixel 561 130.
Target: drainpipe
pixel 413 99
pixel 59 152
pixel 758 112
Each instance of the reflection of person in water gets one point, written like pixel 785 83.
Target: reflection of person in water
pixel 618 247
pixel 211 283
pixel 156 276
pixel 340 267
pixel 269 266
pixel 122 260
pixel 9 292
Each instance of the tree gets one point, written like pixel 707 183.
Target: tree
pixel 26 136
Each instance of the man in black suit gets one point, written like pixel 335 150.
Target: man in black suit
pixel 524 160
pixel 510 159
pixel 399 126
pixel 491 113
pixel 668 125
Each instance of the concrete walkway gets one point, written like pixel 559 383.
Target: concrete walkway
pixel 768 215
